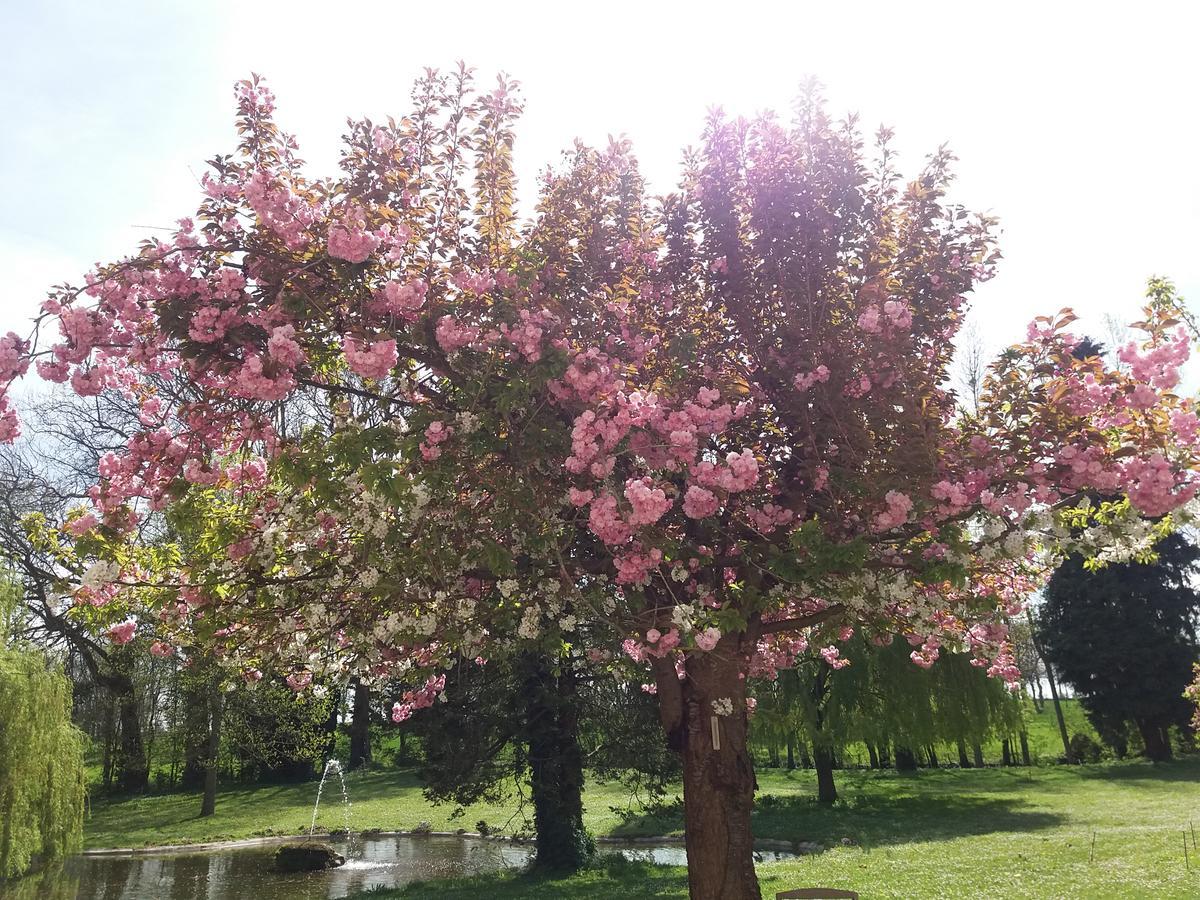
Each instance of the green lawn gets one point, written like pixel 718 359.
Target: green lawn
pixel 945 833
pixel 992 833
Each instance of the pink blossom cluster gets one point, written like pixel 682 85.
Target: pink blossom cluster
pixel 700 503
pixel 422 698
pixel 899 506
pixel 402 299
pixel 349 238
pixel 298 681
pixel 210 324
pixel 370 360
pixel 10 426
pixel 895 313
pixel 83 524
pixel 14 359
pixel 833 657
pixel 478 283
pixel 280 209
pixel 283 348
pixel 526 336
pixel 804 380
pixel 635 564
pixel 589 377
pixel 768 517
pixel 1158 366
pixel 738 473
pixel 436 434
pixel 606 523
pixel 122 632
pixel 707 639
pixel 259 379
pixel 1154 487
pixel 1005 666
pixel 648 503
pixel 452 335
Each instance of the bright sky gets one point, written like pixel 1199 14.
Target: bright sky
pixel 1077 125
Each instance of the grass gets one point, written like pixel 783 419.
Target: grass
pixel 386 799
pixel 939 833
pixel 992 833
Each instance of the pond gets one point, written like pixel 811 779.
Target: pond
pixel 244 873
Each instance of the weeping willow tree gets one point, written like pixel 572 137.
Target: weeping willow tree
pixel 42 788
pixel 882 701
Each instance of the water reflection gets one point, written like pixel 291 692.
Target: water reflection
pixel 245 874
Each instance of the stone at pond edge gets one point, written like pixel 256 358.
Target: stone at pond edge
pixel 308 856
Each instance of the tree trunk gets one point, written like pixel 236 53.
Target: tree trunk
pixel 208 804
pixel 791 751
pixel 196 688
pixel 705 720
pixel 109 742
pixel 963 762
pixel 826 789
pixel 555 766
pixel 1158 748
pixel 1058 713
pixel 805 759
pixel 885 755
pixel 977 752
pixel 360 726
pixel 132 770
pixel 931 751
pixel 873 755
pixel 906 760
pixel 1006 752
pixel 1026 759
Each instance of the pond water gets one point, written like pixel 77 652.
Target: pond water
pixel 244 873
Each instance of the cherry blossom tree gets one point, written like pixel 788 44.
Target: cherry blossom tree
pixel 701 434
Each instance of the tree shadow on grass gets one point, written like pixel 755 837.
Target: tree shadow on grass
pixel 610 876
pixel 1186 769
pixel 872 821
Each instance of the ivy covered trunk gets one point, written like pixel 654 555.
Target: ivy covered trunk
pixel 555 765
pixel 706 723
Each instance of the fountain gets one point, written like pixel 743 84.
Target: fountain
pixel 332 764
pixel 312 855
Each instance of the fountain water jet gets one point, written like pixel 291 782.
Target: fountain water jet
pixel 346 807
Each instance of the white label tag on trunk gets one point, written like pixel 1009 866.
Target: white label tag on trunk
pixel 715 722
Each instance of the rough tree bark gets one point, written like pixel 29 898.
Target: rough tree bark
pixel 963 762
pixel 718 774
pixel 977 752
